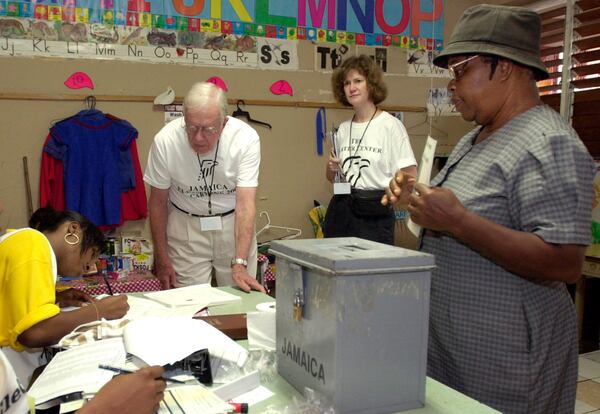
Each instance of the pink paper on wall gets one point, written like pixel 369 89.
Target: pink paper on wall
pixel 219 82
pixel 282 87
pixel 79 80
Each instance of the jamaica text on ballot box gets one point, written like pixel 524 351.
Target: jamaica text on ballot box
pixel 352 321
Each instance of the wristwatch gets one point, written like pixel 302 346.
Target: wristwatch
pixel 239 261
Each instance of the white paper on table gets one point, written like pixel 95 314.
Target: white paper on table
pixel 192 399
pixel 424 176
pixel 160 341
pixel 141 308
pixel 238 386
pixel 77 370
pixel 255 396
pixel 147 308
pixel 199 295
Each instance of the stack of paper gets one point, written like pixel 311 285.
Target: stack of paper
pixel 198 295
pixel 77 370
pixel 192 399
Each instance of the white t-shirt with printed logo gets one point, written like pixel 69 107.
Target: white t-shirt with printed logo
pixel 13 397
pixel 384 149
pixel 173 164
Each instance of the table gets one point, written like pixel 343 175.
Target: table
pixel 591 268
pixel 439 399
pixel 95 285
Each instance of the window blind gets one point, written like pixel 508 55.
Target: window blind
pixel 584 74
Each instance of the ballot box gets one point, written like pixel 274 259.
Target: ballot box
pixel 352 321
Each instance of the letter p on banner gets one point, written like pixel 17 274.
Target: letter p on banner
pixel 419 16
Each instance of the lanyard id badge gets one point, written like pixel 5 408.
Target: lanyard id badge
pixel 344 187
pixel 211 223
pixel 341 188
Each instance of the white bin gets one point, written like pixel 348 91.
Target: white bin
pixel 362 337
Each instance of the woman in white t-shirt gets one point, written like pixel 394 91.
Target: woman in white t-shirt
pixel 367 150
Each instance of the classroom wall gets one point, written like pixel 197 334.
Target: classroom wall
pixel 292 174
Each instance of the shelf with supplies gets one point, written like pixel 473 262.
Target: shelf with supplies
pixel 125 266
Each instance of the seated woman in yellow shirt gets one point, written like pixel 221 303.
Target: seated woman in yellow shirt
pixel 57 242
pixel 30 258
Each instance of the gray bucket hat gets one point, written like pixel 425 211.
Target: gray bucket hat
pixel 509 32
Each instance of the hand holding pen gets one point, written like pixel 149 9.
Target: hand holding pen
pixel 138 393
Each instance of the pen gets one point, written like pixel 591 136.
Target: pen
pixel 332 137
pixel 126 371
pixel 110 292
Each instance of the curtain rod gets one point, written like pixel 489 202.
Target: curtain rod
pixel 178 100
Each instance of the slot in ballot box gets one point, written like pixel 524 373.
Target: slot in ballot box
pixel 352 321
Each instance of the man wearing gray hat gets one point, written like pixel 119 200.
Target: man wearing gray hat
pixel 508 220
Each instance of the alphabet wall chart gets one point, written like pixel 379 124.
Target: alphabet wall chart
pixel 231 33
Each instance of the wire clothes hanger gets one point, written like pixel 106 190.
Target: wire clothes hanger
pixel 90 102
pixel 428 122
pixel 91 113
pixel 240 113
pixel 291 232
pixel 89 110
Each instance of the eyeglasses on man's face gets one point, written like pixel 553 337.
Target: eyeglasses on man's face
pixel 457 70
pixel 206 130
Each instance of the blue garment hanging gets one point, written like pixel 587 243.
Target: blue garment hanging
pixel 321 123
pixel 95 150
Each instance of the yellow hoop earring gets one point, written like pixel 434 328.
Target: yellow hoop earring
pixel 71 242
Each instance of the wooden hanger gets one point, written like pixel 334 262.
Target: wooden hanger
pixel 240 113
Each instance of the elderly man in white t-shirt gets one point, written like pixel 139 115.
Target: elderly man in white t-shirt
pixel 203 173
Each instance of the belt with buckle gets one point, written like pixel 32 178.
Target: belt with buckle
pixel 200 215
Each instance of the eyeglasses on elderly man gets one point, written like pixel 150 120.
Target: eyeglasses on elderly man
pixel 206 130
pixel 458 69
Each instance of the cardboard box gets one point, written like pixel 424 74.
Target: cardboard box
pixel 136 245
pixel 141 252
pixel 141 262
pixel 234 325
